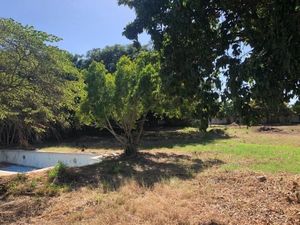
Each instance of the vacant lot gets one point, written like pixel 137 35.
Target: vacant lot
pixel 232 175
pixel 262 150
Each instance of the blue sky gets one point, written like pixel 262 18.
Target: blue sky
pixel 83 24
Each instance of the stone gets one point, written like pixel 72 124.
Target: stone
pixel 262 178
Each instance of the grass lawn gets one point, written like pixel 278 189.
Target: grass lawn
pixel 242 148
pixel 239 147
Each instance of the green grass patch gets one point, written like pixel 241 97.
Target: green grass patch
pixel 249 149
pixel 239 147
pixel 256 157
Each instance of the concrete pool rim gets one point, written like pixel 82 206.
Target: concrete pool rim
pixel 45 160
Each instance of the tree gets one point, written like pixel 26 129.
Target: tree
pixel 226 110
pixel 39 85
pixel 269 75
pixel 200 39
pixel 296 107
pixel 185 33
pixel 109 56
pixel 123 99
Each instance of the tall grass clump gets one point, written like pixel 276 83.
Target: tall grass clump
pixel 58 173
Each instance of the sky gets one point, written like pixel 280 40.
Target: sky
pixel 82 24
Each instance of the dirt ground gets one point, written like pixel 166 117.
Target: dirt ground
pixel 158 188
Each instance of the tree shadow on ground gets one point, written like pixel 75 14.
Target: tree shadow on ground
pixel 168 138
pixel 175 139
pixel 146 169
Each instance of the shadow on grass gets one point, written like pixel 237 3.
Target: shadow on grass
pixel 146 169
pixel 168 138
pixel 171 139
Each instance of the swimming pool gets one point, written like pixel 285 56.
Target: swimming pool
pixel 21 161
pixel 16 168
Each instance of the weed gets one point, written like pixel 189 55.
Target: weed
pixel 33 184
pixel 53 190
pixel 20 185
pixel 20 177
pixel 58 173
pixel 106 186
pixel 98 199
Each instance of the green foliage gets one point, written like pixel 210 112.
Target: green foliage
pixel 199 40
pixel 19 185
pixel 124 98
pixel 109 56
pixel 53 190
pixel 296 107
pixel 270 73
pixel 185 36
pixel 23 185
pixel 39 86
pixel 59 172
pixel 227 110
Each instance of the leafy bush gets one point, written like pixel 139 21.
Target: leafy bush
pixel 58 173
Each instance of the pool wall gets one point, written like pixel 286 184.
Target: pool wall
pixel 47 159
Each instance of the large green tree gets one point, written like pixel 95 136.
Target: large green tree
pixel 109 56
pixel 270 72
pixel 39 86
pixel 199 40
pixel 121 101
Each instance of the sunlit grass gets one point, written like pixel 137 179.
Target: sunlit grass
pixel 249 149
pixel 262 157
pixel 240 148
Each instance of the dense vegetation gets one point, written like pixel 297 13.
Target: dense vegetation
pixel 39 86
pixel 124 98
pixel 109 56
pixel 209 58
pixel 255 44
pixel 236 60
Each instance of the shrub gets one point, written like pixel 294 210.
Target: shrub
pixel 58 173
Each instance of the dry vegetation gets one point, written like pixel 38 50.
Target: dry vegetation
pixel 187 182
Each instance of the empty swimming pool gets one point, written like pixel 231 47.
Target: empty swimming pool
pixel 21 161
pixel 16 168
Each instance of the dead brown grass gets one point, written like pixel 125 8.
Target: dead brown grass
pixel 161 188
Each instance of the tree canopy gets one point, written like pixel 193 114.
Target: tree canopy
pixel 39 85
pixel 211 57
pixel 200 40
pixel 109 56
pixel 122 100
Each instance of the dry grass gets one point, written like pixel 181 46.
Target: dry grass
pixel 159 188
pixel 179 178
pixel 284 136
pixel 273 151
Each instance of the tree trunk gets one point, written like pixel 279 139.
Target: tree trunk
pixel 134 138
pixel 131 149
